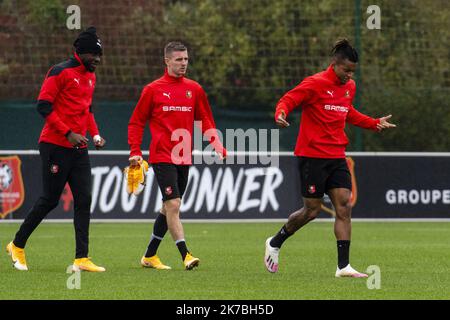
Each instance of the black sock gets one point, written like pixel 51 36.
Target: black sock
pixel 343 248
pixel 280 237
pixel 181 244
pixel 159 230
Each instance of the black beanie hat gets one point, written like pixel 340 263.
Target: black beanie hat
pixel 88 42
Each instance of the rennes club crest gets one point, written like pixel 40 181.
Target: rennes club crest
pixel 12 192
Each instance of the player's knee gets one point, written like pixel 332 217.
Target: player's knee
pixel 344 210
pixel 312 207
pixel 312 213
pixel 82 204
pixel 172 205
pixel 52 206
pixel 47 204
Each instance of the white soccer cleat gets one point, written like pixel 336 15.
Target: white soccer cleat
pixel 348 271
pixel 271 257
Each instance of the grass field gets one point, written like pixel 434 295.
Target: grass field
pixel 414 259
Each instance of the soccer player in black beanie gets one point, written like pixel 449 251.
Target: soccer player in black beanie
pixel 65 103
pixel 89 48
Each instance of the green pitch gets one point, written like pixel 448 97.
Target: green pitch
pixel 414 260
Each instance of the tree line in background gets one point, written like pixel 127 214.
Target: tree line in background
pixel 248 53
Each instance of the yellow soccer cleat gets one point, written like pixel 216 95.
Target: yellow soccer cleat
pixel 17 256
pixel 190 262
pixel 135 177
pixel 85 264
pixel 154 262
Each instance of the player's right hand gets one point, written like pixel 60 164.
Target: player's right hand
pixel 281 120
pixel 135 160
pixel 77 140
pixel 222 153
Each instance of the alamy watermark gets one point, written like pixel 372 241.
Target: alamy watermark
pixel 73 22
pixel 257 146
pixel 374 279
pixel 374 20
pixel 74 280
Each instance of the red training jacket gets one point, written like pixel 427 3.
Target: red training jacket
pixel 171 103
pixel 326 107
pixel 65 102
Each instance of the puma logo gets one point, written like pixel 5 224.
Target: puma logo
pixel 166 95
pixel 330 93
pixel 77 80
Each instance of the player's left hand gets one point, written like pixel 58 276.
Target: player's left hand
pixel 99 142
pixel 384 124
pixel 135 177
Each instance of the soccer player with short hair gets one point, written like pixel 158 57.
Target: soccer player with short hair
pixel 171 104
pixel 326 102
pixel 65 103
